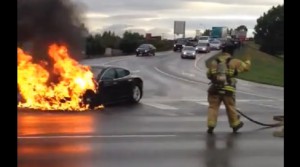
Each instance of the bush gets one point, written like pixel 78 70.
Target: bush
pixel 269 31
pixel 94 46
pixel 130 42
pixel 128 46
pixel 161 45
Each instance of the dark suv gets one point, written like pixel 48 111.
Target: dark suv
pixel 145 49
pixel 179 44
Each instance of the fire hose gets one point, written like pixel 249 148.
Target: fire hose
pixel 277 118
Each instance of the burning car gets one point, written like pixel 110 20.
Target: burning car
pixel 65 84
pixel 56 86
pixel 114 84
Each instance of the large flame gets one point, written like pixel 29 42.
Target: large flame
pixel 34 86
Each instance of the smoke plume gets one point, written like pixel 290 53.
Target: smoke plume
pixel 42 22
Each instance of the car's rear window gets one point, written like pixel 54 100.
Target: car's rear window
pixel 202 44
pixel 96 70
pixel 144 46
pixel 203 38
pixel 189 48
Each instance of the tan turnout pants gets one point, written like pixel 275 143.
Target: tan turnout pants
pixel 213 109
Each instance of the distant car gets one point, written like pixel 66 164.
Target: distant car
pixel 204 39
pixel 215 44
pixel 237 43
pixel 203 47
pixel 192 42
pixel 188 52
pixel 179 44
pixel 223 42
pixel 115 84
pixel 146 49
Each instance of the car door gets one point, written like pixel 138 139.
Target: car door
pixel 124 83
pixel 109 86
pixel 153 49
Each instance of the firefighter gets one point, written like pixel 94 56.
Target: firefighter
pixel 222 72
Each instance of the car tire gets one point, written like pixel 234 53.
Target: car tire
pixel 136 94
pixel 89 98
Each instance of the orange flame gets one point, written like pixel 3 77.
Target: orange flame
pixel 33 79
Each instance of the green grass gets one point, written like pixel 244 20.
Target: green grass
pixel 265 68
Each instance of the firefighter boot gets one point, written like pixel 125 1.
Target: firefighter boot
pixel 236 128
pixel 210 130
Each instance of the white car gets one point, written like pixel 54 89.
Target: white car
pixel 203 47
pixel 216 44
pixel 204 39
pixel 188 52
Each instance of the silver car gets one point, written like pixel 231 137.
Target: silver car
pixel 188 52
pixel 203 47
pixel 204 39
pixel 215 44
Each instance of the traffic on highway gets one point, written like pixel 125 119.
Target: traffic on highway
pixel 137 98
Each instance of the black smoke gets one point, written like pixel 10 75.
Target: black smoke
pixel 42 22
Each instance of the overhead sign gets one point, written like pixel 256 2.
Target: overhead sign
pixel 179 27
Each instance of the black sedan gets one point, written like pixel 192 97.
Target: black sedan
pixel 115 84
pixel 179 44
pixel 146 49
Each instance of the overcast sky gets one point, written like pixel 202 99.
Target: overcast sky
pixel 158 16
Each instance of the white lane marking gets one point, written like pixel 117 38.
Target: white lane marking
pixel 112 61
pixel 260 85
pixel 196 62
pixel 160 106
pixel 173 76
pixel 256 95
pixel 95 136
pixel 188 74
pixel 268 105
pixel 202 57
pixel 204 100
pixel 196 118
pixel 221 118
pixel 259 104
pixel 246 82
pixel 117 58
pixel 206 104
pixel 197 82
pixel 152 102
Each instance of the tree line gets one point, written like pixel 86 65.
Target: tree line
pixel 268 31
pixel 96 44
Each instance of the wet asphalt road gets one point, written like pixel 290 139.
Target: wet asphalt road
pixel 166 129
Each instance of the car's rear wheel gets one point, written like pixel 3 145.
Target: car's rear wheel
pixel 136 94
